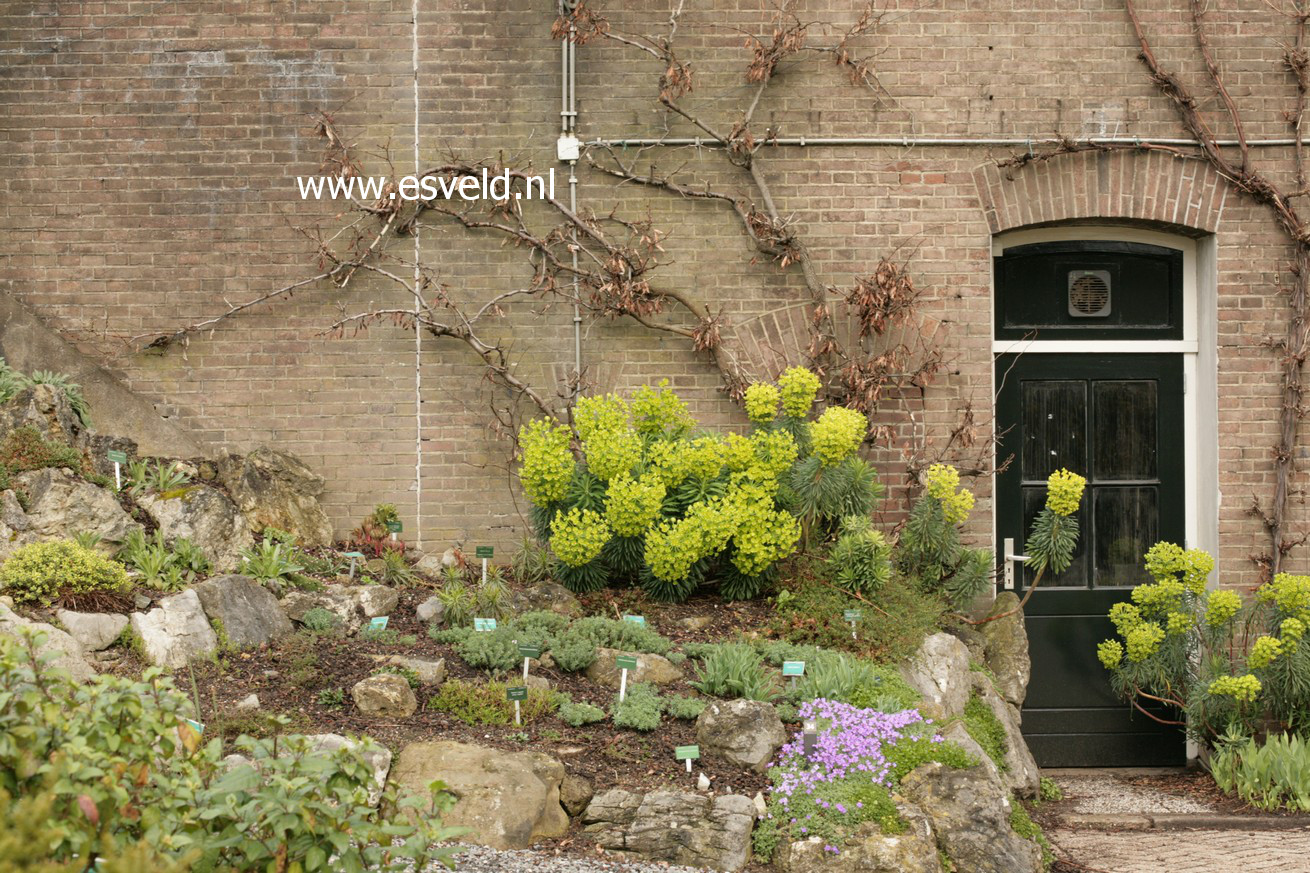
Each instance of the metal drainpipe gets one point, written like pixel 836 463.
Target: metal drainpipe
pixel 568 124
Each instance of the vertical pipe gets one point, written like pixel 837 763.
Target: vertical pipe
pixel 418 334
pixel 568 124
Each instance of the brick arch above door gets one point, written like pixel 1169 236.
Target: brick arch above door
pixel 1129 186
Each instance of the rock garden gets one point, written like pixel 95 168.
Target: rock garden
pixel 706 654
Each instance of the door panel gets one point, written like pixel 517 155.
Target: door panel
pixel 1117 420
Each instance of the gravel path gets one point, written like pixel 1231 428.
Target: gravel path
pixel 1098 793
pixel 480 859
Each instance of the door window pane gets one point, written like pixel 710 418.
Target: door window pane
pixel 1055 415
pixel 1076 576
pixel 1124 433
pixel 1126 525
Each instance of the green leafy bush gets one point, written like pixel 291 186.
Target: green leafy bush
pixel 395 569
pixel 579 714
pixel 174 792
pixel 685 708
pixel 651 502
pixel 270 559
pixel 731 671
pixel 490 650
pixel 811 612
pixel 159 477
pixel 623 635
pixel 44 572
pixel 573 653
pixel 410 676
pixel 387 636
pixel 70 389
pixel 1271 775
pixel 319 619
pixel 464 597
pixel 531 563
pixel 160 565
pixel 24 448
pixel 478 704
pixel 640 709
pixel 1224 664
pixel 332 698
pixel 860 559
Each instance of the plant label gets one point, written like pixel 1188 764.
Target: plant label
pixel 687 754
pixel 354 556
pixel 484 624
pixel 485 552
pixel 395 527
pixel 195 725
pixel 626 662
pixel 116 457
pixel 379 623
pixel 793 668
pixel 519 692
pixel 639 620
pixel 530 651
pixel 852 615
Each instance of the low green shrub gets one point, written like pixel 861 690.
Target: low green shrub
pixel 478 704
pixel 625 636
pixel 685 708
pixel 861 558
pixel 387 636
pixel 271 558
pixel 410 676
pixel 396 571
pixel 986 730
pixel 44 572
pixel 163 566
pixel 160 477
pixel 1023 825
pixel 332 698
pixel 66 740
pixel 1271 775
pixel 837 676
pixel 319 619
pixel 640 709
pixel 24 448
pixel 733 671
pixel 490 650
pixel 579 714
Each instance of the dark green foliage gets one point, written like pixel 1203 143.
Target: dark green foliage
pixel 672 591
pixel 1023 825
pixel 161 565
pixel 735 585
pixel 931 555
pixel 625 556
pixel 1052 541
pixel 731 671
pixel 531 563
pixel 320 619
pixel 986 730
pixel 591 576
pixel 860 559
pixel 640 709
pixel 586 492
pixel 822 495
pixel 387 637
pixel 332 698
pixel 410 677
pixel 913 752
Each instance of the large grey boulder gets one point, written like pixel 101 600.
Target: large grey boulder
pixel 673 826
pixel 94 631
pixel 1005 649
pixel 575 792
pixel 276 489
pixel 745 732
pixel 650 668
pixel 868 850
pixel 544 596
pixel 384 696
pixel 66 651
pixel 431 611
pixel 13 525
pixel 970 815
pixel 205 516
pixel 507 800
pixel 350 603
pixel 60 507
pixel 1020 774
pixel 248 614
pixel 176 631
pixel 939 671
pixel 430 671
pixel 375 600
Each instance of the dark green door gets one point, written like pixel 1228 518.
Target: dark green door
pixel 1117 420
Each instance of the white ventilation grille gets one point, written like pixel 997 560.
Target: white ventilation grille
pixel 1089 293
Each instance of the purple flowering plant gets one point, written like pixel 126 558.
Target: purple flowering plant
pixel 859 756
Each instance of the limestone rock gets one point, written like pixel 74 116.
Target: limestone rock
pixel 176 631
pixel 430 565
pixel 431 611
pixel 677 827
pixel 650 668
pixel 93 631
pixel 68 652
pixel 745 732
pixel 47 409
pixel 544 596
pixel 384 696
pixel 508 800
pixel 693 622
pixel 429 671
pixel 249 615
pixel 276 489
pixel 376 756
pixel 350 603
pixel 375 600
pixel 940 672
pixel 1021 775
pixel 867 850
pixel 249 703
pixel 575 792
pixel 1006 649
pixel 205 516
pixel 970 815
pixel 60 507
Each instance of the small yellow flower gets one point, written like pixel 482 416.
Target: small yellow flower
pixel 1241 688
pixel 1110 653
pixel 1221 607
pixel 1064 492
pixel 799 387
pixel 762 403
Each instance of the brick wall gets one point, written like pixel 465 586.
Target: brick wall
pixel 148 153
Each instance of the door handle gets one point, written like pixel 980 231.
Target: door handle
pixel 1010 560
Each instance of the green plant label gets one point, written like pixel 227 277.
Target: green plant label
pixel 626 662
pixel 793 668
pixel 853 614
pixel 636 619
pixel 116 457
pixel 530 651
pixel 354 554
pixel 395 526
pixel 519 693
pixel 484 624
pixel 379 623
pixel 686 753
pixel 195 725
pixel 485 552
